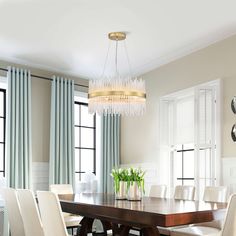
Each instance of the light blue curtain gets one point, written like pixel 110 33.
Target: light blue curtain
pixel 61 166
pixel 110 150
pixel 19 151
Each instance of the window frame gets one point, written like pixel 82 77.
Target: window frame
pixel 80 172
pixel 4 131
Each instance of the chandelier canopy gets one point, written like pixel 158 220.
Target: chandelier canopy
pixel 117 95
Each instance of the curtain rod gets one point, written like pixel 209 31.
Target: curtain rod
pixel 45 78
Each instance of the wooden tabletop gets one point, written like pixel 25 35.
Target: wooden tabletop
pixel 147 212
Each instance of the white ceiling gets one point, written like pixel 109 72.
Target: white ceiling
pixel 70 36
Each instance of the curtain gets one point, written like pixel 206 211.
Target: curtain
pixel 61 164
pixel 110 150
pixel 19 151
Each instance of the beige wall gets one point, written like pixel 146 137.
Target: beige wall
pixel 41 92
pixel 41 96
pixel 139 136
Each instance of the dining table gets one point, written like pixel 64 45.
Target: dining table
pixel 146 215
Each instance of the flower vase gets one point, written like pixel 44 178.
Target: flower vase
pixel 134 192
pixel 121 190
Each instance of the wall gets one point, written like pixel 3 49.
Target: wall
pixel 41 96
pixel 140 135
pixel 40 119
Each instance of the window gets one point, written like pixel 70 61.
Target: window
pixel 184 164
pixel 2 131
pixel 189 138
pixel 85 139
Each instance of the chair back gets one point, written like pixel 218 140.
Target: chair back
pixel 14 212
pixel 215 194
pixel 229 228
pixel 61 188
pixel 30 213
pixel 91 183
pixel 158 191
pixel 184 192
pixel 51 214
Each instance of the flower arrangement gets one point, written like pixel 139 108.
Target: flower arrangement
pixel 118 176
pixel 136 176
pixel 131 177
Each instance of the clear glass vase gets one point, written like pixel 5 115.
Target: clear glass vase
pixel 121 190
pixel 134 192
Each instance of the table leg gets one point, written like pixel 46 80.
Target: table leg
pixel 122 230
pixel 86 226
pixel 150 231
pixel 106 226
pixel 118 230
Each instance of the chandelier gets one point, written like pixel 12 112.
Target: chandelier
pixel 117 94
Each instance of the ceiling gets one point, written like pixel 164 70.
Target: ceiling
pixel 70 36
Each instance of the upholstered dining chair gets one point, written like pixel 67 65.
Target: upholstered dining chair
pixel 51 214
pixel 158 191
pixel 216 194
pixel 228 228
pixel 61 188
pixel 14 212
pixel 30 213
pixel 184 192
pixel 72 221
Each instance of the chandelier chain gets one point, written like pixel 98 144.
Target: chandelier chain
pixel 128 60
pixel 105 63
pixel 116 58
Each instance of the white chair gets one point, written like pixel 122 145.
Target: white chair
pixel 184 192
pixel 30 214
pixel 158 191
pixel 91 182
pixel 71 221
pixel 181 193
pixel 228 228
pixel 80 187
pixel 51 214
pixel 14 212
pixel 215 194
pixel 3 183
pixel 61 188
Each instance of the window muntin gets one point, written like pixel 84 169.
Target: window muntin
pixel 85 140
